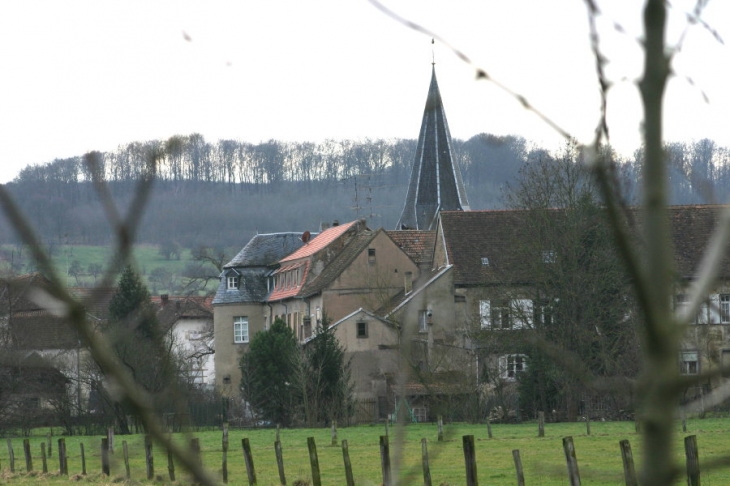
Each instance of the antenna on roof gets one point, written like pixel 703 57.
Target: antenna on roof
pixel 433 56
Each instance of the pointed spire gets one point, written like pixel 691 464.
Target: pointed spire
pixel 436 182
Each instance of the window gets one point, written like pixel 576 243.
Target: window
pixel 362 330
pixel 459 298
pixel 423 321
pixel 511 365
pixel 232 282
pixel 543 312
pixel 240 329
pixel 689 362
pixel 725 308
pixel 506 314
pixel 549 256
pixel 420 414
pixel 485 261
pixel 371 256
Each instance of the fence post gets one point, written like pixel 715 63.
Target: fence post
pixel 349 480
pixel 170 465
pixel 334 432
pixel 28 457
pixel 518 467
pixel 110 436
pixel 385 459
pixel 470 460
pixel 248 458
pixel 693 460
pixel 489 428
pixel 224 459
pixel 441 428
pixel 278 438
pixel 62 460
pixel 572 461
pixel 83 459
pixel 314 462
pixel 541 424
pixel 44 460
pixel 125 456
pixel 628 460
pixel 588 425
pixel 11 456
pixel 195 448
pixel 50 444
pixel 105 456
pixel 280 462
pixel 148 457
pixel 424 461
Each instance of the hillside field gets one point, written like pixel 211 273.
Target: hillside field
pixel 598 455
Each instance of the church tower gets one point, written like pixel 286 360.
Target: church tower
pixel 436 183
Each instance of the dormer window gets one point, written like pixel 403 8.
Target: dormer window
pixel 485 261
pixel 233 282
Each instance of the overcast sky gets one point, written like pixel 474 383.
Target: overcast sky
pixel 92 75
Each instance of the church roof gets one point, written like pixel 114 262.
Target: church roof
pixel 436 183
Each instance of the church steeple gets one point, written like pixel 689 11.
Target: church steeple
pixel 436 182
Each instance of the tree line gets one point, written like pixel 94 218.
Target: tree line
pixel 220 194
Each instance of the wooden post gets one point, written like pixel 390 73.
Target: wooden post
pixel 50 444
pixel 83 459
pixel 105 469
pixel 225 436
pixel 518 467
pixel 385 459
pixel 693 460
pixel 280 462
pixel 349 479
pixel 224 460
pixel 125 456
pixel 248 458
pixel 628 460
pixel 110 436
pixel 11 456
pixel 278 438
pixel 572 461
pixel 28 457
pixel 148 457
pixel 489 428
pixel 637 426
pixel 541 424
pixel 470 460
pixel 62 460
pixel 588 425
pixel 170 465
pixel 424 461
pixel 334 432
pixel 44 460
pixel 684 422
pixel 386 427
pixel 314 462
pixel 195 448
pixel 441 428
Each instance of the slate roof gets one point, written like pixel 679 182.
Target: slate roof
pixel 266 249
pixel 254 263
pixel 172 309
pixel 472 235
pixel 416 244
pixel 436 183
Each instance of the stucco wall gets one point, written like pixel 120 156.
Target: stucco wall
pixel 227 353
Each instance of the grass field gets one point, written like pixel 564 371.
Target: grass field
pixel 146 260
pixel 599 458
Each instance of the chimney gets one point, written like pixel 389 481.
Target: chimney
pixel 335 223
pixel 164 298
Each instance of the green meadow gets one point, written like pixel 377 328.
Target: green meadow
pixel 598 454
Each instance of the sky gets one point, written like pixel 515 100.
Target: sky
pixel 93 75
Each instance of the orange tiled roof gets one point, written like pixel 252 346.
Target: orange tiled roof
pixel 416 244
pixel 282 292
pixel 320 241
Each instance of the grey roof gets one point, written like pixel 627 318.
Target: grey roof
pixel 436 183
pixel 266 249
pixel 252 287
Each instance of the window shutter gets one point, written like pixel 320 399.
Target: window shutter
pixel 485 313
pixel 715 309
pixel 523 313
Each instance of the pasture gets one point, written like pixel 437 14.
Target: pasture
pixel 598 454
